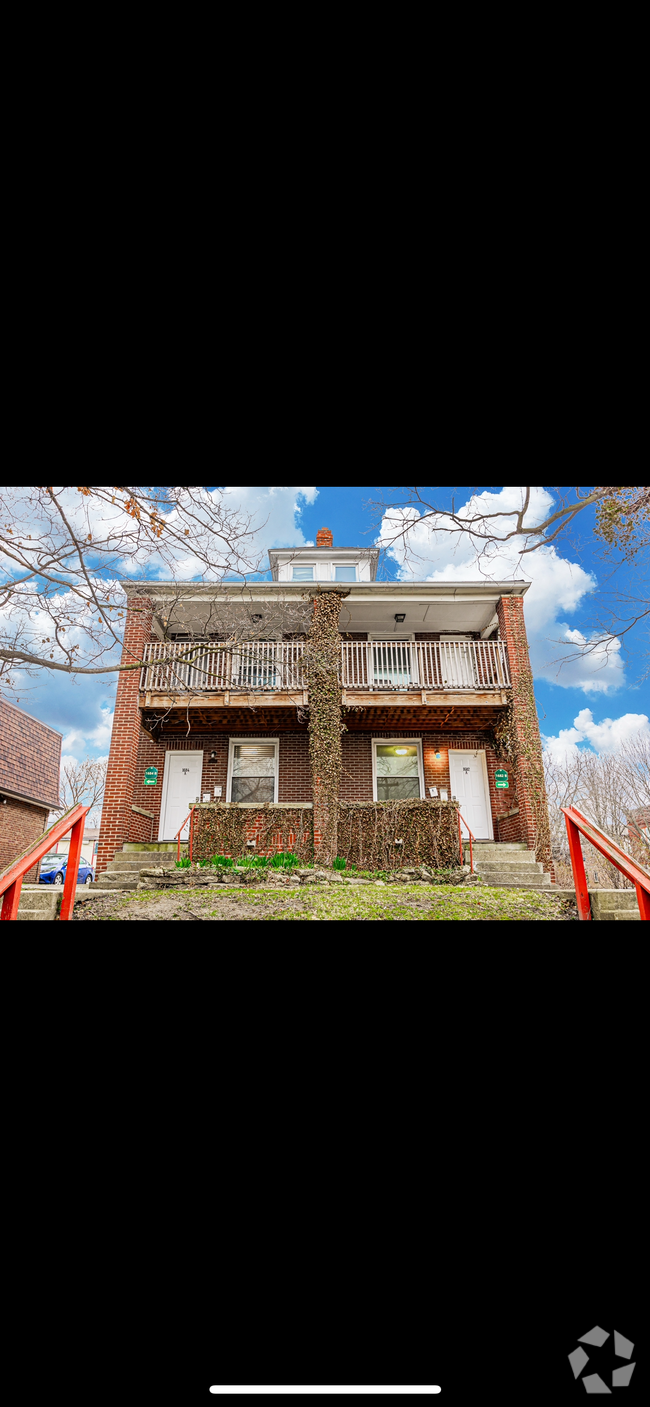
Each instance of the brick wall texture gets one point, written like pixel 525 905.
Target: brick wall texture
pixel 20 823
pixel 133 750
pixel 117 816
pixel 30 756
pixel 512 629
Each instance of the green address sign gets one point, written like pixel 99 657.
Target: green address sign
pixel 501 779
pixel 150 776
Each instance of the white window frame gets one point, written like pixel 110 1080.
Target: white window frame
pixel 298 566
pixel 252 742
pixel 472 752
pixel 396 742
pixel 174 752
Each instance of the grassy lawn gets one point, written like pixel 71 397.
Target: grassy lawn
pixel 370 902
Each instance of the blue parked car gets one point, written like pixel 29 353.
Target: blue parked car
pixel 53 868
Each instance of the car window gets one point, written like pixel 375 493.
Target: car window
pixel 53 859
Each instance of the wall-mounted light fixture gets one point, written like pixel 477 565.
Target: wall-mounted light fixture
pixel 437 756
pixel 399 619
pixel 213 756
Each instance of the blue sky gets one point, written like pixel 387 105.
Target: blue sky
pixel 570 586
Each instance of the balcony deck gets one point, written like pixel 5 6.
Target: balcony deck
pixel 219 674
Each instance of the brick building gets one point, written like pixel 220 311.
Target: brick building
pixel 30 763
pixel 428 670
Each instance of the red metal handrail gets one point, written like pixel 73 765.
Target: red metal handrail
pixel 177 837
pixel 460 842
pixel 11 881
pixel 578 825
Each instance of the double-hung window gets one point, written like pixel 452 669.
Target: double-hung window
pixel 345 573
pixel 303 574
pixel 253 770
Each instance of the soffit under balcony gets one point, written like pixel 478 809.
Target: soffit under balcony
pixel 365 606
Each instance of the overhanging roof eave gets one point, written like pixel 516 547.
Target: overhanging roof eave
pixel 355 589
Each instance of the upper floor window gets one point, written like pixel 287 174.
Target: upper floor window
pixel 303 574
pixel 345 573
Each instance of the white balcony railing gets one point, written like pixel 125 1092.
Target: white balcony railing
pixel 261 664
pixel 372 664
pixel 425 664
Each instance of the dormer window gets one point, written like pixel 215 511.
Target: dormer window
pixel 345 573
pixel 303 574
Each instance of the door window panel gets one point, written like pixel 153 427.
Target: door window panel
pixel 253 772
pixel 398 774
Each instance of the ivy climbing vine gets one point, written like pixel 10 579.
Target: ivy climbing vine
pixel 516 739
pixel 322 661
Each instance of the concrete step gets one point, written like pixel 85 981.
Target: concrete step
pixel 519 867
pixel 115 881
pixel 504 879
pixel 495 852
pixel 40 902
pixel 614 905
pixel 158 846
pixel 500 845
pixel 136 862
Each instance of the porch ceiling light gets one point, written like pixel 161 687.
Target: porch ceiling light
pixel 399 619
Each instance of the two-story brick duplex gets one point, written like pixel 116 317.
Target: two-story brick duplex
pixel 428 670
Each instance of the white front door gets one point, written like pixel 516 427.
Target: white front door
pixel 181 784
pixel 469 783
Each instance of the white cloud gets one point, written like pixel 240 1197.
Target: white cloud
pixel 603 737
pixel 557 586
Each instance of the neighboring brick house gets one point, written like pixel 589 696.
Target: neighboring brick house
pixel 428 671
pixel 638 833
pixel 30 764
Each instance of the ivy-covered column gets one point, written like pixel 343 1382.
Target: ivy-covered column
pixel 517 734
pixel 323 660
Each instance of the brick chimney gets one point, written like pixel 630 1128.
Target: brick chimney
pixel 324 538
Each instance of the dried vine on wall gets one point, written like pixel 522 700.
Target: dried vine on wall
pixel 428 831
pixel 224 830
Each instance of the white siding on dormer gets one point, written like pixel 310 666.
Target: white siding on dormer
pixel 323 571
pixel 363 569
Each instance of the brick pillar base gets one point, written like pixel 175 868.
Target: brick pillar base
pixel 526 743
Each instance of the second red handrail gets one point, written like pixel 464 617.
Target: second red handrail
pixel 460 841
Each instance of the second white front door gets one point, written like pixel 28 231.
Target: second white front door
pixel 468 779
pixel 181 785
